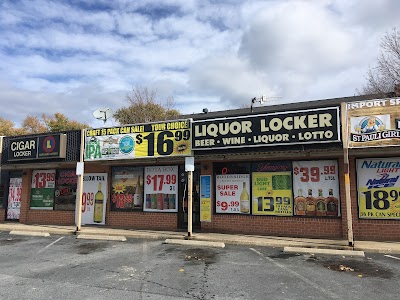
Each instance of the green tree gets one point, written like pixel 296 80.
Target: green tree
pixel 7 127
pixel 383 78
pixel 143 108
pixel 59 122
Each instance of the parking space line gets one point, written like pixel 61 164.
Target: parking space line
pixel 313 284
pixel 51 244
pixel 394 257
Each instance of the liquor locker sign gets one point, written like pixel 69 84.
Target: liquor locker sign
pixel 171 138
pixel 272 188
pixel 94 198
pixel 378 188
pixel 40 147
pixel 295 127
pixel 374 123
pixel 316 183
pixel 232 193
pixel 161 188
pixel 42 189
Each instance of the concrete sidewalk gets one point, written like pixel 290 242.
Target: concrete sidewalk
pixel 251 240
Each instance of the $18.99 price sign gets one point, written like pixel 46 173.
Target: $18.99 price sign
pixel 171 138
pixel 378 182
pixel 161 189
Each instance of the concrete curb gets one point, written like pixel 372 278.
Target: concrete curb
pixel 30 233
pixel 324 251
pixel 195 243
pixel 101 237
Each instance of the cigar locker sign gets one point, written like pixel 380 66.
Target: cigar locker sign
pixel 39 147
pixel 171 138
pixel 378 191
pixel 374 123
pixel 285 128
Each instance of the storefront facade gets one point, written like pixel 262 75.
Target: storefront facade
pixel 275 171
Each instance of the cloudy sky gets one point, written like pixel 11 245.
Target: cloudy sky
pixel 75 56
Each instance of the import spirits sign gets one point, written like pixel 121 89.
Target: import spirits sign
pixel 295 127
pixel 171 138
pixel 374 123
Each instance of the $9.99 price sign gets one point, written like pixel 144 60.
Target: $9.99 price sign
pixel 378 183
pixel 233 193
pixel 171 138
pixel 161 189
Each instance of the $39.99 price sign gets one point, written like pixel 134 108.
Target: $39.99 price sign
pixel 378 188
pixel 171 138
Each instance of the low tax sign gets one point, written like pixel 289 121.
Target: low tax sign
pixel 172 138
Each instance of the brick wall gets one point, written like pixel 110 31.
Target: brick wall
pixel 2 214
pixel 142 220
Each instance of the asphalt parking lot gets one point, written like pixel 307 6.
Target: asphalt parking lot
pixel 63 267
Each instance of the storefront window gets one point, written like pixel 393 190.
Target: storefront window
pixel 127 188
pixel 65 190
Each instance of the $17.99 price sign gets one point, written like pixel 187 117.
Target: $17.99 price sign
pixel 171 138
pixel 42 189
pixel 161 189
pixel 378 182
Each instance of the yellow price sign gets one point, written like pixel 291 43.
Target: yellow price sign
pixel 172 138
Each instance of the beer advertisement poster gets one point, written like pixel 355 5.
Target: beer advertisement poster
pixel 127 188
pixel 272 188
pixel 378 188
pixel 14 198
pixel 316 188
pixel 233 193
pixel 94 198
pixel 205 198
pixel 374 123
pixel 161 189
pixel 172 138
pixel 42 189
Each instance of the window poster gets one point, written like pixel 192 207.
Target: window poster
pixel 42 189
pixel 205 198
pixel 14 198
pixel 316 188
pixel 232 193
pixel 161 189
pixel 272 188
pixel 94 198
pixel 378 188
pixel 65 190
pixel 127 188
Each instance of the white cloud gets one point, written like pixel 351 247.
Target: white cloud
pixel 81 55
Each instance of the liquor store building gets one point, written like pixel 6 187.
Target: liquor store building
pixel 276 170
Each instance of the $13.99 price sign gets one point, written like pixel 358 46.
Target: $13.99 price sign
pixel 161 189
pixel 378 183
pixel 171 138
pixel 42 189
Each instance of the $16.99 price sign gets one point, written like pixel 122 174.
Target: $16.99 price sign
pixel 378 182
pixel 171 138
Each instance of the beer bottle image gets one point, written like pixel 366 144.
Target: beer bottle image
pixel 310 204
pixel 98 206
pixel 244 200
pixel 300 204
pixel 321 204
pixel 137 198
pixel 148 201
pixel 332 204
pixel 160 201
pixel 172 201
